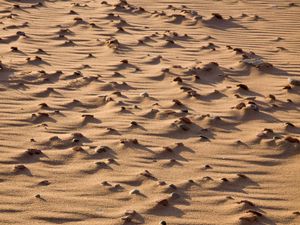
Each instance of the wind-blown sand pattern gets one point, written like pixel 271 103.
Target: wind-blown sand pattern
pixel 149 112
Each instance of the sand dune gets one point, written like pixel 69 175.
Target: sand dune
pixel 149 112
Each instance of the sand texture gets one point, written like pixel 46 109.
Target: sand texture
pixel 182 112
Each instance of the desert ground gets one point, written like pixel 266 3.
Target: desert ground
pixel 178 112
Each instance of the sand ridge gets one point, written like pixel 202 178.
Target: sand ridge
pixel 139 112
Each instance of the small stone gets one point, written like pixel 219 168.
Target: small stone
pixel 243 86
pixel 32 151
pixel 173 186
pixel 105 183
pixel 134 123
pixel 207 178
pixel 118 186
pixel 177 102
pixel 292 139
pixel 288 124
pixel 178 79
pixel 242 175
pixel 294 82
pixel 207 167
pixel 163 202
pixel 253 106
pixel 254 212
pixel 130 212
pixel 127 218
pixel 287 87
pixel 203 138
pixel 111 160
pixel 175 195
pixel 240 105
pixel 44 183
pixel 218 16
pixel 102 149
pixel 272 97
pixel 184 127
pixel 162 183
pixel 20 167
pixel 246 202
pixel 144 94
pixel 134 192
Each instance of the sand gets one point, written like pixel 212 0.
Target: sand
pixel 149 112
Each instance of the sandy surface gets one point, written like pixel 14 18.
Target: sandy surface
pixel 148 111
